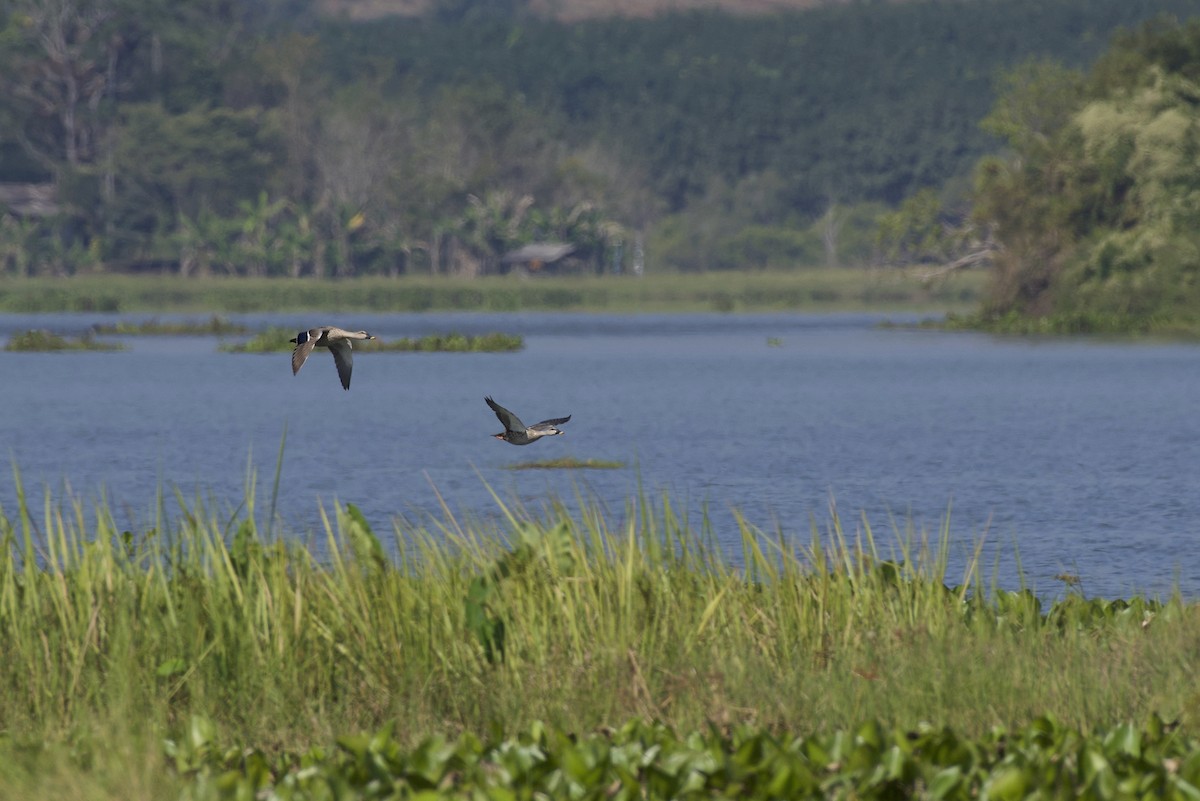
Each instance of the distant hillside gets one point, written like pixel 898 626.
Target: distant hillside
pixel 569 10
pixel 852 102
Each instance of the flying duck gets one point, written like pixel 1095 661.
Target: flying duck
pixel 517 433
pixel 338 342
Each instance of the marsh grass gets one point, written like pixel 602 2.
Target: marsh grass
pixel 41 341
pixel 214 325
pixel 801 290
pixel 577 617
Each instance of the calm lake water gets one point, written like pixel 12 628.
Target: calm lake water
pixel 1074 456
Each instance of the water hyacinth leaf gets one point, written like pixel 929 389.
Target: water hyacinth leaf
pixel 430 762
pixel 1044 729
pixel 355 745
pixel 437 795
pixel 1184 789
pixel 749 754
pixel 1190 769
pixel 895 764
pixel 1007 784
pixel 784 783
pixel 817 754
pixel 580 766
pixel 1097 772
pixel 946 783
pixel 840 746
pixel 1125 740
pixel 870 734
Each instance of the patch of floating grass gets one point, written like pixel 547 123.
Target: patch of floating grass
pixel 454 343
pixel 567 463
pixel 278 339
pixel 216 324
pixel 42 341
pixel 273 340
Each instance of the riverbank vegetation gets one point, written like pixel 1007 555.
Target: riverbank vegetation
pixel 808 290
pixel 260 664
pixel 1095 205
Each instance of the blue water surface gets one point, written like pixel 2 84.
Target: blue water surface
pixel 1056 457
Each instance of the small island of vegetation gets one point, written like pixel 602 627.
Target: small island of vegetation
pixel 454 343
pixel 567 463
pixel 40 341
pixel 276 339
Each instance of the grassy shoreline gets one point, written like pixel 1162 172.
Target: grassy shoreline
pixel 808 290
pixel 579 621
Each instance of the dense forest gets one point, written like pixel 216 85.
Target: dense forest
pixel 264 138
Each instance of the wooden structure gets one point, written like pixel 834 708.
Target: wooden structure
pixel 536 256
pixel 29 200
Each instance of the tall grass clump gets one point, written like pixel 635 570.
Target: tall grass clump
pixel 571 616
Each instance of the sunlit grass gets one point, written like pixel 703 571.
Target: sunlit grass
pixel 579 617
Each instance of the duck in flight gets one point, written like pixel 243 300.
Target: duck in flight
pixel 327 336
pixel 517 433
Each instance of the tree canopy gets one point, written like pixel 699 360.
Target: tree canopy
pixel 1097 203
pixel 263 138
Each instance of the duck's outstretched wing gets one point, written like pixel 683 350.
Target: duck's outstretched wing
pixel 557 421
pixel 511 422
pixel 343 357
pixel 305 342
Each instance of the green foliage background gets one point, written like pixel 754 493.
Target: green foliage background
pixel 265 139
